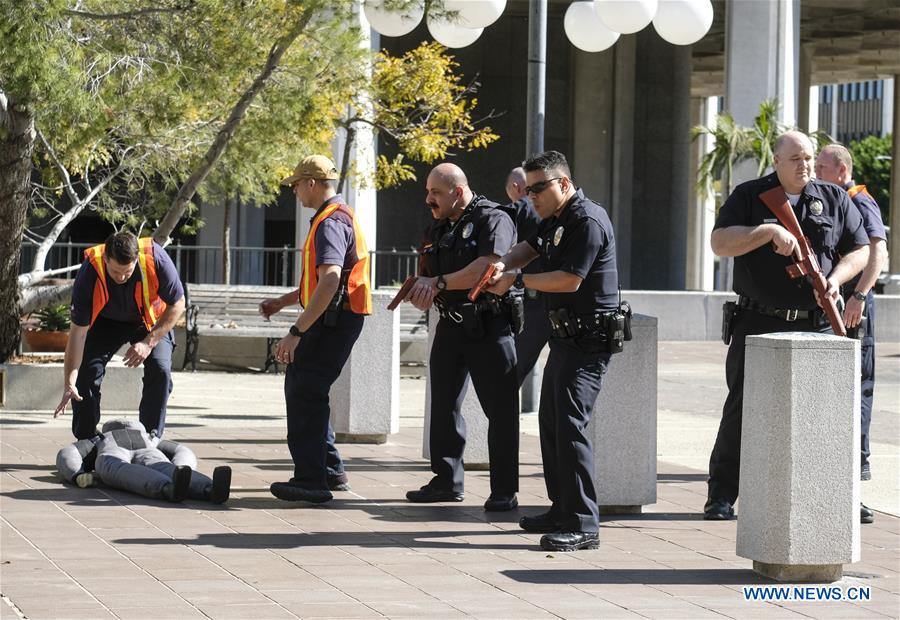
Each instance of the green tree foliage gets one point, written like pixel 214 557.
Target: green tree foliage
pixel 420 102
pixel 872 167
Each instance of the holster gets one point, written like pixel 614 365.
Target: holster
pixel 333 311
pixel 471 320
pixel 563 324
pixel 858 332
pixel 516 305
pixel 730 311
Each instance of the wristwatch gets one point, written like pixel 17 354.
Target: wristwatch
pixel 296 332
pixel 519 282
pixel 859 296
pixel 440 284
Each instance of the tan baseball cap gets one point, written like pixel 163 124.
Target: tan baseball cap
pixel 313 167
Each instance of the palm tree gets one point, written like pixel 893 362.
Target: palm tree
pixel 733 144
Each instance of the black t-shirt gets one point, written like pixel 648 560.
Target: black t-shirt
pixel 484 228
pixel 827 217
pixel 527 223
pixel 122 305
pixel 580 241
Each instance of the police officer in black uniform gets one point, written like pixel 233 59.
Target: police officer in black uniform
pixel 579 283
pixel 770 301
pixel 468 233
pixel 532 339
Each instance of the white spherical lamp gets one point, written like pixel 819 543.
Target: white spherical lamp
pixel 476 13
pixel 449 34
pixel 585 30
pixel 625 16
pixel 393 23
pixel 683 22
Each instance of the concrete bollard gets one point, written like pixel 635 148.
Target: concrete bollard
pixel 475 455
pixel 623 426
pixel 38 387
pixel 799 481
pixel 365 400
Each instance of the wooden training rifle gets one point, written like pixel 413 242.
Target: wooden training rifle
pixel 806 264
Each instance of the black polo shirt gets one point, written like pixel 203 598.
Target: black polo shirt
pixel 580 240
pixel 335 238
pixel 483 229
pixel 827 217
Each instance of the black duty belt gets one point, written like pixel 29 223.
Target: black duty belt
pixel 454 311
pixel 787 314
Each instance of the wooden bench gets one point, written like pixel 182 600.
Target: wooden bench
pixel 219 310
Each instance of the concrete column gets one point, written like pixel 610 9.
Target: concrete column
pixel 799 480
pixel 365 400
pixel 476 454
pixel 804 102
pixel 893 285
pixel 702 213
pixel 761 62
pixel 660 170
pixel 887 107
pixel 623 426
pixel 602 152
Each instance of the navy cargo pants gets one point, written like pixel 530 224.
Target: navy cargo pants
pixel 104 338
pixel 318 360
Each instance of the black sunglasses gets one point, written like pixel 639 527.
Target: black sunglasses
pixel 540 186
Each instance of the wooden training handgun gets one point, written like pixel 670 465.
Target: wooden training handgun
pixel 806 265
pixel 402 293
pixel 476 290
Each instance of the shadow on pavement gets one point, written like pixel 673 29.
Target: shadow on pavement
pixel 672 576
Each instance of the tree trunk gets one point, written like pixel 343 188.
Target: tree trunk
pixel 226 242
pixel 189 188
pixel 16 148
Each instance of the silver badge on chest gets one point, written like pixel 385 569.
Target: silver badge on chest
pixel 815 207
pixel 467 230
pixel 557 236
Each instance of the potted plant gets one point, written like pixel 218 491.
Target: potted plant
pixel 52 332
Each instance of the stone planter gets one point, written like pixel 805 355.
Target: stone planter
pixel 41 341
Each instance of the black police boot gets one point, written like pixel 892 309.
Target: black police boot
pixel 293 492
pixel 501 503
pixel 339 482
pixel 221 485
pixel 539 524
pixel 866 514
pixel 865 472
pixel 570 541
pixel 718 510
pixel 181 483
pixel 429 495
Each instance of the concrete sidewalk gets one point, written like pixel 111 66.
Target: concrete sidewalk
pixel 72 553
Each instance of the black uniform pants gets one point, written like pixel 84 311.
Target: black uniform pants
pixel 570 388
pixel 725 461
pixel 104 338
pixel 531 341
pixel 318 360
pixel 867 379
pixel 491 361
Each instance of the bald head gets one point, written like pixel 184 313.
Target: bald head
pixel 792 139
pixel 835 164
pixel 515 184
pixel 447 191
pixel 793 161
pixel 449 175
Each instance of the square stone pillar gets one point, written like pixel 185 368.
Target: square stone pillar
pixel 475 455
pixel 365 400
pixel 623 426
pixel 799 489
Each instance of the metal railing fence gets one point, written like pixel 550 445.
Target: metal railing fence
pixel 260 266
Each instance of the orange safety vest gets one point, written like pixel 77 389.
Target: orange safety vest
pixel 146 292
pixel 853 191
pixel 359 288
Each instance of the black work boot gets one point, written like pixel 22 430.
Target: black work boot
pixel 181 483
pixel 221 485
